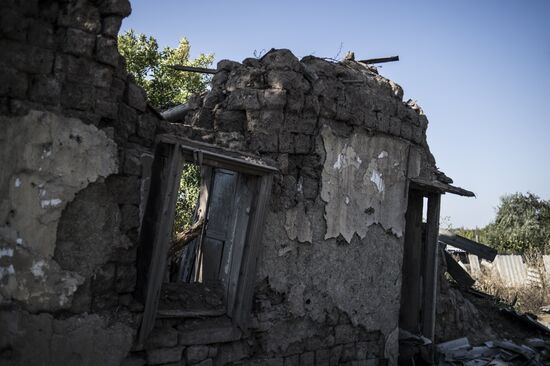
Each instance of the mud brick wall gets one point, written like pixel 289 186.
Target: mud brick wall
pixel 344 141
pixel 75 141
pixel 75 149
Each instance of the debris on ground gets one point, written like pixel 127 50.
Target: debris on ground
pixel 536 351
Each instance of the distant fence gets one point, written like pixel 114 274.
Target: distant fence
pixel 511 269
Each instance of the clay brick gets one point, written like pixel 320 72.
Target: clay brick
pixel 195 354
pixel 111 25
pixel 135 96
pixel 13 25
pixel 13 83
pixel 107 51
pixel 45 89
pixel 78 42
pixel 77 96
pixel 231 121
pixel 164 355
pixel 307 359
pixel 78 14
pixel 165 337
pixel 322 357
pixel 115 7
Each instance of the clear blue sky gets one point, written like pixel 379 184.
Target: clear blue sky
pixel 479 69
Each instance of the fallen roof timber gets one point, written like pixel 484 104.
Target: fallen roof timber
pixel 470 246
pixel 458 273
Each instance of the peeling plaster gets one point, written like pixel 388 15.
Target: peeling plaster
pixel 37 268
pixel 298 224
pixel 6 252
pixel 6 271
pixel 43 167
pixel 70 167
pixel 358 196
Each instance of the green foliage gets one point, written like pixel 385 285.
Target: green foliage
pixel 188 195
pixel 165 87
pixel 522 224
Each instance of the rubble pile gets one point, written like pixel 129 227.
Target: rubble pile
pixel 536 351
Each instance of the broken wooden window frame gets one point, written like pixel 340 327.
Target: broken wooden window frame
pixel 171 153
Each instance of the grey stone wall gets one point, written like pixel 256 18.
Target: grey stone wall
pixel 75 145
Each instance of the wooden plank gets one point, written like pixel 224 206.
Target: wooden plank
pixel 245 292
pixel 379 60
pixel 243 204
pixel 458 273
pixel 201 70
pixel 221 214
pixel 429 279
pixel 161 241
pixel 149 227
pixel 436 186
pixel 219 157
pixel 470 246
pixel 409 316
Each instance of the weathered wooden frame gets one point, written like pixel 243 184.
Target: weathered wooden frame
pixel 170 155
pixel 420 265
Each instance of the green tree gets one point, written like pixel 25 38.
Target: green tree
pixel 522 224
pixel 149 65
pixel 187 198
pixel 166 87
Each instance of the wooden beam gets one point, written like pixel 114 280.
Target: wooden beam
pixel 219 157
pixel 430 267
pixel 411 295
pixel 201 70
pixel 247 282
pixel 470 246
pixel 379 60
pixel 458 273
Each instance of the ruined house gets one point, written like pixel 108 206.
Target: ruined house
pixel 314 175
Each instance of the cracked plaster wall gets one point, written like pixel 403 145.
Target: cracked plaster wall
pixel 76 135
pixel 47 159
pixel 333 238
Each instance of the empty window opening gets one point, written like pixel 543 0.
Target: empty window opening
pixel 208 239
pixel 201 232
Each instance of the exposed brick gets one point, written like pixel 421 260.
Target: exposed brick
pixel 103 279
pixel 111 25
pixel 125 278
pixel 13 24
pixel 45 89
pixel 165 337
pixel 107 51
pixel 78 42
pixel 26 58
pixel 164 355
pixel 79 14
pixel 232 121
pixel 13 83
pixel 307 359
pixel 135 96
pixel 195 354
pixel 77 96
pixel 322 357
pixel 115 7
pixel 146 126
